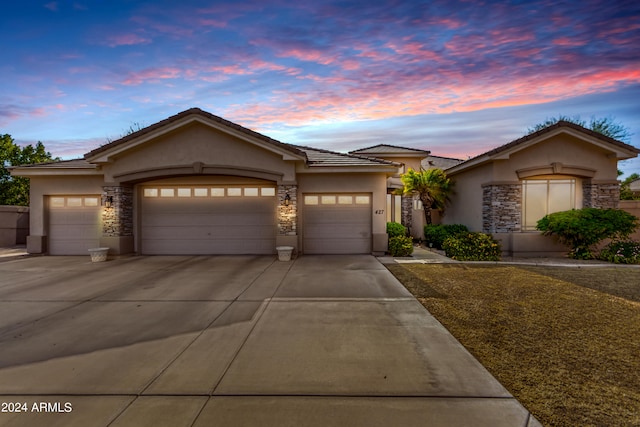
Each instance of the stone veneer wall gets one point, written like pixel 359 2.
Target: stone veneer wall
pixel 501 208
pixel 288 215
pixel 407 209
pixel 117 221
pixel 601 196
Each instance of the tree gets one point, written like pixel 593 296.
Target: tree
pixel 432 186
pixel 15 190
pixel 625 191
pixel 606 126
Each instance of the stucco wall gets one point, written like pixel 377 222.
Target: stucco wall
pixel 14 225
pixel 198 143
pixel 565 149
pixel 633 207
pixel 466 202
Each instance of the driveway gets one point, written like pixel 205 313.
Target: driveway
pixel 242 340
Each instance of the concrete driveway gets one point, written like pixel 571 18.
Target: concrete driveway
pixel 230 341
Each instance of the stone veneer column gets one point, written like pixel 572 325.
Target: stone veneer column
pixel 117 220
pixel 288 215
pixel 601 195
pixel 407 209
pixel 501 208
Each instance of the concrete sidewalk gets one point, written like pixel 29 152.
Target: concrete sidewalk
pixel 198 341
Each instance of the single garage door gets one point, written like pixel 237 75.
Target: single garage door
pixel 74 224
pixel 208 220
pixel 337 223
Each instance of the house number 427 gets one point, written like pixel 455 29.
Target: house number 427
pixel 379 211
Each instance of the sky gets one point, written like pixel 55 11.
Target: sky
pixel 457 78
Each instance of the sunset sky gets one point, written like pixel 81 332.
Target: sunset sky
pixel 456 78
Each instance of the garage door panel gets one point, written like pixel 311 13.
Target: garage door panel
pixel 209 247
pixel 340 228
pixel 208 225
pixel 73 230
pixel 182 219
pixel 338 231
pixel 208 232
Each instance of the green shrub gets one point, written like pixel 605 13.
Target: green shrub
pixel 394 229
pixel 472 247
pixel 621 252
pixel 400 246
pixel 435 235
pixel 581 229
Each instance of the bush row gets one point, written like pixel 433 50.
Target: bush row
pixel 435 235
pixel 472 247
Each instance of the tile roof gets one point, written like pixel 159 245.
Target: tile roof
pixel 320 157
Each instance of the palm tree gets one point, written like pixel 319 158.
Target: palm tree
pixel 431 186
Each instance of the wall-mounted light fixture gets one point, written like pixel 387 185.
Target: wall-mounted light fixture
pixel 107 201
pixel 287 199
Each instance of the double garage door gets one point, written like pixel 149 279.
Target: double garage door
pixel 198 220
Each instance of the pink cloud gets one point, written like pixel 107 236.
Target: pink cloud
pixel 151 75
pixel 211 23
pixel 126 40
pixel 568 42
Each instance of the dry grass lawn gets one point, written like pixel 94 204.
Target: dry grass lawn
pixel 569 353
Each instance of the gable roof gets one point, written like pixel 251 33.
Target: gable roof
pixel 619 148
pixel 187 116
pixel 392 150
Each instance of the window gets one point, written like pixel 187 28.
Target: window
pixel 184 192
pixel 310 200
pixel 91 201
pixel 362 200
pixel 267 191
pixel 251 191
pixel 57 202
pixel 217 192
pixel 234 191
pixel 328 200
pixel 167 192
pixel 345 200
pixel 150 192
pixel 200 192
pixel 74 201
pixel 544 196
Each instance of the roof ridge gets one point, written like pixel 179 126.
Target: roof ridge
pixel 391 145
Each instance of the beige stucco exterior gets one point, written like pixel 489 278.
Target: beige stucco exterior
pixel 196 148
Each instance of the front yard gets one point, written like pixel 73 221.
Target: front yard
pixel 564 341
